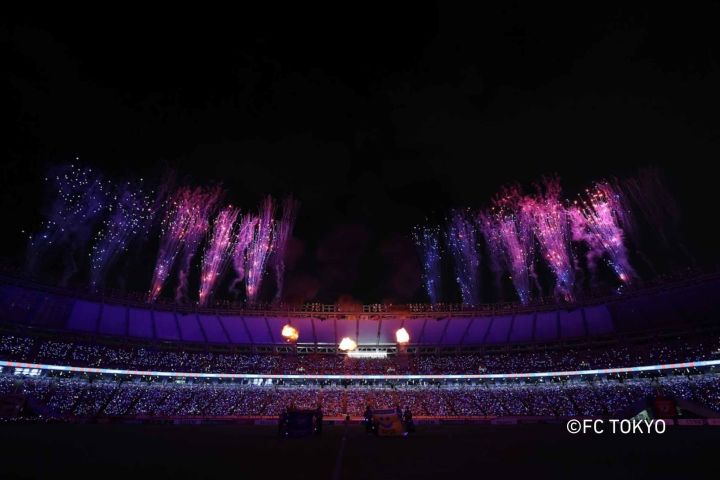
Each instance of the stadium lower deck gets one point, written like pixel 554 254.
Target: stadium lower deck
pixel 81 399
pixel 87 381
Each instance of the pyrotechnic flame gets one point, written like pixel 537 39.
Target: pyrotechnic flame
pixel 347 344
pixel 290 333
pixel 402 336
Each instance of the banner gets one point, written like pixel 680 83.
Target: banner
pixel 388 423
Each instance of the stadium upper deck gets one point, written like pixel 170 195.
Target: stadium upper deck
pixel 684 303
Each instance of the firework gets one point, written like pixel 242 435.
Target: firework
pixel 508 233
pixel 551 227
pixel 427 240
pixel 282 234
pixel 182 229
pixel 257 252
pixel 461 238
pixel 243 239
pixel 130 215
pixel 486 226
pixel 218 252
pixel 202 206
pixel 80 198
pixel 596 220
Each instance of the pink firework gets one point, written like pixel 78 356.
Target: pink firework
pixel 218 252
pixel 508 233
pixel 596 220
pixel 282 235
pixel 244 237
pixel 551 227
pixel 205 201
pixel 258 250
pixel 182 229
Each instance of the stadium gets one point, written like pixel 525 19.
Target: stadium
pixel 94 358
pixel 470 243
pixel 86 359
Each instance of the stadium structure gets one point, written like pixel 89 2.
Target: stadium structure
pixel 68 355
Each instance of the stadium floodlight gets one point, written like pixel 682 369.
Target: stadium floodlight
pixel 290 333
pixel 402 336
pixel 347 344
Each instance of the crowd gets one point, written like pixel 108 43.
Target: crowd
pixel 140 357
pixel 78 397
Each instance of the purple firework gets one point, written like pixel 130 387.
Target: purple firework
pixel 427 240
pixel 487 227
pixel 282 235
pixel 218 252
pixel 80 198
pixel 131 215
pixel 462 240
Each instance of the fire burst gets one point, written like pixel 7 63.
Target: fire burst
pixel 596 220
pixel 131 215
pixel 258 250
pixel 462 241
pixel 427 240
pixel 218 252
pixel 282 235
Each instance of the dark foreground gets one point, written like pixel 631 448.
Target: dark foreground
pixel 434 452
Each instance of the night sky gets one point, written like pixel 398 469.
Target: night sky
pixel 375 118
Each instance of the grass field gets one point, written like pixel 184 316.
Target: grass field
pixel 70 451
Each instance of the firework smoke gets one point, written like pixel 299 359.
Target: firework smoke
pixel 647 193
pixel 461 238
pixel 427 241
pixel 258 250
pixel 218 252
pixel 282 234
